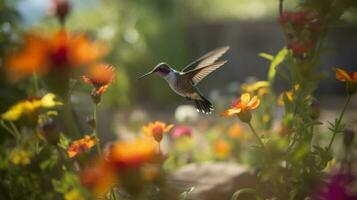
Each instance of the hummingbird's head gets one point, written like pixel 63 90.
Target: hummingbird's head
pixel 161 69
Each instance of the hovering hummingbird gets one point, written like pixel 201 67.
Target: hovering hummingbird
pixel 184 82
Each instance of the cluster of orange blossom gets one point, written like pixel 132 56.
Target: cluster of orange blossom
pixel 82 145
pixel 59 52
pixel 123 159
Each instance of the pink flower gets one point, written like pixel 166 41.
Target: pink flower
pixel 180 131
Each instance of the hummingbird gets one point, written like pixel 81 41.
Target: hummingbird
pixel 184 82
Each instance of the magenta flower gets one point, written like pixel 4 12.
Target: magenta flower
pixel 180 131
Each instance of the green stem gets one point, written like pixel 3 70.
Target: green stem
pixel 16 131
pixel 255 134
pixel 68 118
pixel 8 129
pixel 95 117
pixel 338 123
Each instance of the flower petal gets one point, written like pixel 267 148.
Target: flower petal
pixel 255 104
pixel 342 75
pixel 252 101
pixel 49 101
pixel 230 112
pixel 245 98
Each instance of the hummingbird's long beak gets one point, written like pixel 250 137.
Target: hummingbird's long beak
pixel 147 74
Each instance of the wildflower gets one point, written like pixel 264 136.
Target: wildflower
pixel 235 131
pixel 156 130
pixel 181 131
pixel 82 145
pixel 100 76
pixel 259 88
pixel 343 76
pixel 128 154
pixel 299 49
pixel 222 148
pixel 349 78
pixel 242 107
pixel 73 195
pixel 60 51
pixel 99 177
pixel 299 19
pixel 288 95
pixel 20 157
pixel 29 106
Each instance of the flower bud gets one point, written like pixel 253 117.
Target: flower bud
pixel 62 10
pixel 96 97
pixel 245 116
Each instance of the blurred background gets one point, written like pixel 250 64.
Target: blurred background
pixel 142 33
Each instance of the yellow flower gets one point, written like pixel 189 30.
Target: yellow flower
pixel 82 145
pixel 242 107
pixel 235 131
pixel 260 87
pixel 222 148
pixel 20 157
pixel 30 106
pixel 156 129
pixel 73 195
pixel 289 95
pixel 346 77
pixel 126 154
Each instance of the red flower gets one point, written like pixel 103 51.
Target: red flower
pixel 299 48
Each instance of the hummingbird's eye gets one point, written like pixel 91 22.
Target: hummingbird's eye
pixel 163 70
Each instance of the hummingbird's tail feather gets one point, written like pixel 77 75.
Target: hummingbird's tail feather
pixel 203 105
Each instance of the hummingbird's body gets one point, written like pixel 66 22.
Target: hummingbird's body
pixel 184 82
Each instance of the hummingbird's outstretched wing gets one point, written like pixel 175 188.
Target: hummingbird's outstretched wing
pixel 207 59
pixel 196 75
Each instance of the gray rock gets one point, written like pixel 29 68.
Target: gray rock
pixel 213 181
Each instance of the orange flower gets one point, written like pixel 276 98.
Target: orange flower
pixel 242 107
pixel 100 76
pixel 126 154
pixel 156 129
pixel 59 51
pixel 82 145
pixel 222 148
pixel 235 131
pixel 100 177
pixel 346 77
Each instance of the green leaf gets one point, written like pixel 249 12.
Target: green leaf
pixel 64 141
pixel 266 56
pixel 278 59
